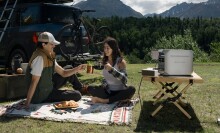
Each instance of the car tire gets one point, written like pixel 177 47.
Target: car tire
pixel 17 53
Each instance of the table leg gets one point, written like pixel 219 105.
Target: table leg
pixel 157 110
pixel 139 92
pixel 165 90
pixel 173 91
pixel 158 95
pixel 158 99
pixel 182 110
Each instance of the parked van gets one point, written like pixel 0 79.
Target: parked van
pixel 28 20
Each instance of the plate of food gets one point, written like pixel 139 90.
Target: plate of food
pixel 66 104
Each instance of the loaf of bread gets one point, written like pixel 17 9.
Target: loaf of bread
pixel 67 104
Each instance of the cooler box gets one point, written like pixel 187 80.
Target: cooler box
pixel 12 86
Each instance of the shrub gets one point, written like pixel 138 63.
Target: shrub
pixel 182 42
pixel 215 52
pixel 132 59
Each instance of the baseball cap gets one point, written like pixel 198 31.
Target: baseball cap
pixel 47 37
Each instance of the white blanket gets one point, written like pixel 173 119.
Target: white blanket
pixel 117 113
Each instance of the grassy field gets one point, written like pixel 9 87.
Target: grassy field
pixel 203 106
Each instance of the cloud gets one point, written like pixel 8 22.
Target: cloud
pixel 76 1
pixel 152 6
pixel 155 6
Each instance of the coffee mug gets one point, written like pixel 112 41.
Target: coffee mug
pixel 24 67
pixel 90 69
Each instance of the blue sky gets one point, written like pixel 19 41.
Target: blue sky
pixel 153 6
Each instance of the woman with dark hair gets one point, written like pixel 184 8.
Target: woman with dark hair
pixel 114 86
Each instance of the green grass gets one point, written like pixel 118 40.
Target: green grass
pixel 203 106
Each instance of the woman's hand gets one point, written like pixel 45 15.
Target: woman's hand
pixel 108 66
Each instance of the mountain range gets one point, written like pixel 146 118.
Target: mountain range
pixel 108 8
pixel 208 9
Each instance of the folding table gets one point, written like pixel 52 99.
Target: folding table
pixel 171 89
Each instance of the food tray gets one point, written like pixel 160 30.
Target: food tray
pixel 61 105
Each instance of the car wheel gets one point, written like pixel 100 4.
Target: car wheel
pixel 17 54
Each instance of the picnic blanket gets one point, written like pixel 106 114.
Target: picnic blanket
pixel 116 113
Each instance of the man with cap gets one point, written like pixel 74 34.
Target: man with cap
pixel 40 73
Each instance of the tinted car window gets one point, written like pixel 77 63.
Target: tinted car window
pixel 30 15
pixel 58 14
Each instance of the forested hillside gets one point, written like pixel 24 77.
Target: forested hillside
pixel 137 36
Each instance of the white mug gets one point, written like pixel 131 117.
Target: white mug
pixel 24 67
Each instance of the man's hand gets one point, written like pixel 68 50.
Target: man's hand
pixel 81 67
pixel 22 105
